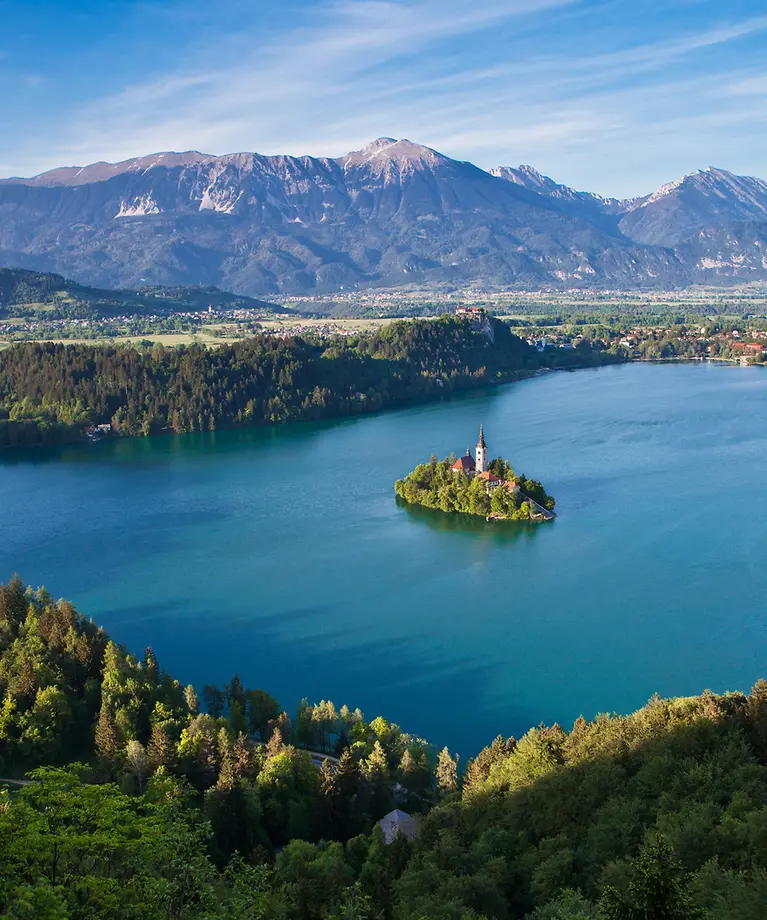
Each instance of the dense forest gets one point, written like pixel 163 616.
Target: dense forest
pixel 437 485
pixel 145 801
pixel 52 393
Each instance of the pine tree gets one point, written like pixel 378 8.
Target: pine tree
pixel 375 769
pixel 347 776
pixel 84 651
pixel 162 750
pixel 757 713
pixel 375 766
pixel 206 760
pixel 226 775
pixel 9 728
pixel 107 738
pixel 340 789
pixel 244 761
pixel 151 666
pixel 112 679
pixel 447 772
pixel 274 745
pixel 192 703
pixel 13 605
pixel 214 700
pixel 236 692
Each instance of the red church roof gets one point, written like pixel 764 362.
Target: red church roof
pixel 465 463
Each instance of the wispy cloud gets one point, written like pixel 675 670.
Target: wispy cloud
pixel 310 75
pixel 616 110
pixel 749 86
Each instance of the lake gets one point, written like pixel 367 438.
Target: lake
pixel 282 555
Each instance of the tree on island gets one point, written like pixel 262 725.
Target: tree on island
pixel 438 485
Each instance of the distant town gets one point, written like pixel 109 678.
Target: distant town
pixel 723 325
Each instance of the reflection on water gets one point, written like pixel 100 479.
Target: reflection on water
pixel 440 521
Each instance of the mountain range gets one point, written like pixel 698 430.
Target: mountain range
pixel 394 213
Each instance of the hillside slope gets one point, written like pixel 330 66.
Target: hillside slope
pixel 23 291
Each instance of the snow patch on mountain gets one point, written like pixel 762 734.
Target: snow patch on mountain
pixel 223 200
pixel 141 206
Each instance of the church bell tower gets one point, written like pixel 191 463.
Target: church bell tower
pixel 481 461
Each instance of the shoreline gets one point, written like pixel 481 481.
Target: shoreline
pixel 81 437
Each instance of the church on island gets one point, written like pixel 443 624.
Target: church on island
pixel 478 467
pixel 474 484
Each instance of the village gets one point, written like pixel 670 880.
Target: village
pixel 633 336
pixel 746 345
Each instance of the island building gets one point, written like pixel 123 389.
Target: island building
pixel 478 466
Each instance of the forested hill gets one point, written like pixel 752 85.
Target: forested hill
pixel 51 393
pixel 53 296
pixel 141 804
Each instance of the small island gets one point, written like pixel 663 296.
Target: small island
pixel 474 485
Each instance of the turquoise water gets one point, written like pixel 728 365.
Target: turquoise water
pixel 282 554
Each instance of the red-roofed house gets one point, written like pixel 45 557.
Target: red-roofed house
pixel 490 478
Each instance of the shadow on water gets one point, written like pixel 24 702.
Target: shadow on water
pixel 400 678
pixel 507 531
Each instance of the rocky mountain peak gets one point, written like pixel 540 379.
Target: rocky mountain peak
pixel 384 151
pixel 714 180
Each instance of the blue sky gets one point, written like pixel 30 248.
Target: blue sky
pixel 614 96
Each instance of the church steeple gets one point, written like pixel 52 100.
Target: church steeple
pixel 481 461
